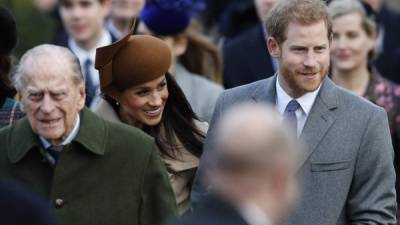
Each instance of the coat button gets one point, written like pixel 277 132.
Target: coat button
pixel 59 203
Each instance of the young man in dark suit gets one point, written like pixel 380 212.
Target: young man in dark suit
pixel 84 23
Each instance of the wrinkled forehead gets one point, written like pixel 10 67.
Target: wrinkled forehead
pixel 47 70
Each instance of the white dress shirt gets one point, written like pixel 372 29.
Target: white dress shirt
pixel 253 215
pixel 306 102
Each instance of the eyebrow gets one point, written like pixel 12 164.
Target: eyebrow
pixel 306 47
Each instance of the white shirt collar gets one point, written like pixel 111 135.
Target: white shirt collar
pixel 70 137
pixel 83 54
pixel 253 215
pixel 306 101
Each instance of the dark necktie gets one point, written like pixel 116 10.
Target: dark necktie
pixel 290 114
pixel 54 152
pixel 89 83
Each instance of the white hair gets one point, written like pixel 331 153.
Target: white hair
pixel 50 53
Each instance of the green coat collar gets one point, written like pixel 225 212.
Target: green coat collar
pixel 92 135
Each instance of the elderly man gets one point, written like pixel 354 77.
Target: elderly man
pixel 347 168
pixel 252 170
pixel 93 171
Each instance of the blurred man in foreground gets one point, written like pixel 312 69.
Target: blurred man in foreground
pixel 252 170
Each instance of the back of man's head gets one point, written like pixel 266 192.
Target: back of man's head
pixel 305 12
pixel 255 159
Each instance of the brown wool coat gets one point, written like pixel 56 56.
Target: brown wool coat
pixel 109 174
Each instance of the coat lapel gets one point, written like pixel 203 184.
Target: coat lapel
pixel 319 120
pixel 266 91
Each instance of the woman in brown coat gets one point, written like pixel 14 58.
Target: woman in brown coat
pixel 139 91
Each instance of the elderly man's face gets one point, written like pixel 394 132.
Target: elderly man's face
pixel 51 100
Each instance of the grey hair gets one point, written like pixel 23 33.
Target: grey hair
pixel 49 52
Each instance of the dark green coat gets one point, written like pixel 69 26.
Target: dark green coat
pixel 110 174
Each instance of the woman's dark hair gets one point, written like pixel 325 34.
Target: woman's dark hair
pixel 177 123
pixel 8 40
pixel 6 89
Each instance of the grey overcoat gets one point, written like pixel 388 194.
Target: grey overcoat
pixel 347 165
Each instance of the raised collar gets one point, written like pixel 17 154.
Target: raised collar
pixel 92 135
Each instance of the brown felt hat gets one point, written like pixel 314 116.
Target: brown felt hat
pixel 133 60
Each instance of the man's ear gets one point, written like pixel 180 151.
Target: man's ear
pixel 21 102
pixel 81 95
pixel 273 47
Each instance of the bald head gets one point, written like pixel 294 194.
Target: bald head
pixel 255 160
pixel 251 137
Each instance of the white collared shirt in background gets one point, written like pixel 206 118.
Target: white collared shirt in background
pixel 253 215
pixel 83 54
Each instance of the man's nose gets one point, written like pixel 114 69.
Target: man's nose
pixel 47 104
pixel 311 60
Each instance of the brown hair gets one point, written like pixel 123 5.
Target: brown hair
pixel 201 56
pixel 305 12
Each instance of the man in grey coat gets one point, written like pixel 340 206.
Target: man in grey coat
pixel 347 166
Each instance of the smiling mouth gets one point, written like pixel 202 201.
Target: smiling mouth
pixel 153 113
pixel 309 74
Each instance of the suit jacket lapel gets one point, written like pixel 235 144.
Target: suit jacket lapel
pixel 320 119
pixel 266 91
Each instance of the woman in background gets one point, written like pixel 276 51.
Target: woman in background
pixel 140 92
pixel 352 50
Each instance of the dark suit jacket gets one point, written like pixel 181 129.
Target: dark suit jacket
pixel 388 62
pixel 246 59
pixel 347 164
pixel 213 210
